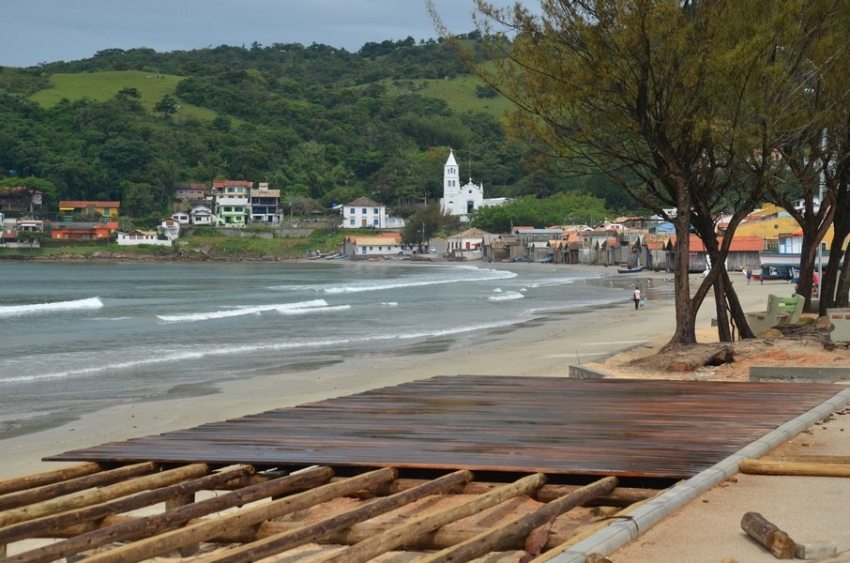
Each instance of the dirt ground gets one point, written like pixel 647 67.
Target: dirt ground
pixel 803 344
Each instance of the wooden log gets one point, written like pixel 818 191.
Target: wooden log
pixel 174 504
pixel 768 535
pixel 314 532
pixel 439 539
pixel 149 525
pixel 803 469
pixel 75 499
pixel 57 524
pixel 202 531
pixel 505 535
pixel 619 497
pixel 400 535
pixel 24 482
pixel 838 459
pixel 101 479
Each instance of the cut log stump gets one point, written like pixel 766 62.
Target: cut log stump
pixel 768 535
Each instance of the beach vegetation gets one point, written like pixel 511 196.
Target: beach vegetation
pixel 678 103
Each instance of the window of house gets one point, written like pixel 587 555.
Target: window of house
pixel 351 210
pixel 351 222
pixel 375 211
pixel 364 211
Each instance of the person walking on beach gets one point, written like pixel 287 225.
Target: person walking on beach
pixel 749 276
pixel 636 296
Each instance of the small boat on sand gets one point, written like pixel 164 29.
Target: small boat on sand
pixel 628 270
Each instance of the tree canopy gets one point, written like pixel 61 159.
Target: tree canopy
pixel 678 102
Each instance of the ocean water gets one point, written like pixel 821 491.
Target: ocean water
pixel 77 337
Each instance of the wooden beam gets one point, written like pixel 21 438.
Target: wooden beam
pixel 293 538
pixel 150 525
pixel 399 535
pixel 620 497
pixel 505 535
pixel 55 525
pixel 804 469
pixel 33 480
pixel 79 495
pixel 202 531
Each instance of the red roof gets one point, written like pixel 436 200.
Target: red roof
pixel 739 243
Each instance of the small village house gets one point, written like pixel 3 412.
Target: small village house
pixel 70 209
pixel 83 230
pixel 383 245
pixel 364 213
pixel 190 192
pixel 201 215
pixel 19 199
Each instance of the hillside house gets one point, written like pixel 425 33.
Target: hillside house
pixel 231 188
pixel 69 209
pixel 364 213
pixel 190 192
pixel 231 211
pixel 77 230
pixel 19 198
pixel 201 215
pixel 264 204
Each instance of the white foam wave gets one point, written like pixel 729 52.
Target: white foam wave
pixel 458 274
pixel 286 308
pixel 58 306
pixel 389 303
pixel 507 296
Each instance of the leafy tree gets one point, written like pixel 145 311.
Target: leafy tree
pixel 167 106
pixel 658 95
pixel 423 225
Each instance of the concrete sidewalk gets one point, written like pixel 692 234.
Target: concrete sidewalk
pixel 707 528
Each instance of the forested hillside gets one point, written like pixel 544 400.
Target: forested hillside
pixel 321 124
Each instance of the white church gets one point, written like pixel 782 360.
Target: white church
pixel 460 200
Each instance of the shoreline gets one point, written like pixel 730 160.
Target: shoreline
pixel 544 349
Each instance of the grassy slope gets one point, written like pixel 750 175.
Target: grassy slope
pixel 458 92
pixel 104 85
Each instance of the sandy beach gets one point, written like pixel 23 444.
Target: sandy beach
pixel 544 349
pixel 705 530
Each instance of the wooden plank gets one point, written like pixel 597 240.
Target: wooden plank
pixel 150 525
pixel 292 538
pixel 639 428
pixel 54 525
pixel 202 531
pixel 399 535
pixel 501 536
pixel 15 484
pixel 804 469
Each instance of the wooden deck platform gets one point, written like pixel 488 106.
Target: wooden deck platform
pixel 445 469
pixel 634 428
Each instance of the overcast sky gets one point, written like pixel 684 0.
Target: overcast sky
pixel 37 31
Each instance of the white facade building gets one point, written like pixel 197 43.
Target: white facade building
pixel 363 213
pixel 461 200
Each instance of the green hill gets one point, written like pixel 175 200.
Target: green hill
pixel 101 86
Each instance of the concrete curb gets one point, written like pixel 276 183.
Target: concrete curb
pixel 579 371
pixel 641 519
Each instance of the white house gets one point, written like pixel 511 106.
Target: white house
pixel 137 237
pixel 461 200
pixel 363 213
pixel 388 244
pixel 469 244
pixel 180 217
pixel 201 215
pixel 170 228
